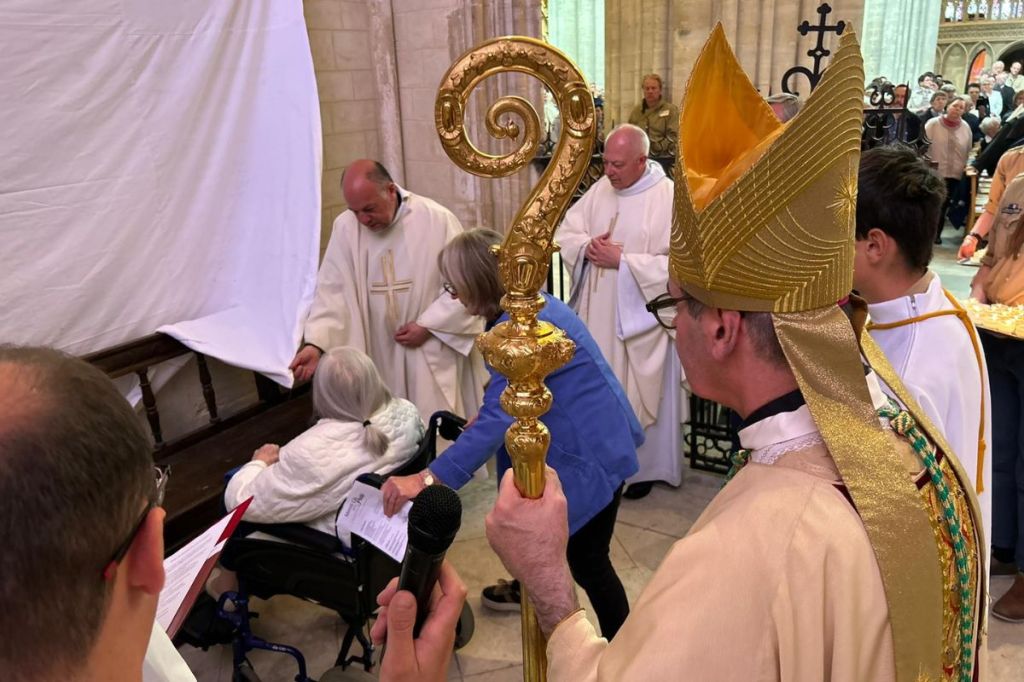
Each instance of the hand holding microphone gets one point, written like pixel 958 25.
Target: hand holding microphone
pixel 420 624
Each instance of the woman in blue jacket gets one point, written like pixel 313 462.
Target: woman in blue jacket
pixel 594 434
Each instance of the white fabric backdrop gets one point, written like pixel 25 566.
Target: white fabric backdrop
pixel 159 169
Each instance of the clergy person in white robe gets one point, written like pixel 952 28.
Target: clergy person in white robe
pixel 921 328
pixel 379 290
pixel 615 242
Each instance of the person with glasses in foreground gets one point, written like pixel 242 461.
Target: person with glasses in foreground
pixel 594 434
pixel 82 563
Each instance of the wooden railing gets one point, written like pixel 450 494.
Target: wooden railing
pixel 955 11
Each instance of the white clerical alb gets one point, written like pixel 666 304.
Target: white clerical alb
pixel 611 303
pixel 372 283
pixel 944 371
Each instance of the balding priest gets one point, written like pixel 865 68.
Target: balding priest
pixel 615 241
pixel 380 290
pixel 847 546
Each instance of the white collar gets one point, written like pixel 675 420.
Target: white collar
pixel 904 307
pixel 403 206
pixel 773 436
pixel 653 174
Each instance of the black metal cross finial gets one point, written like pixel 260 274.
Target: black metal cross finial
pixel 818 52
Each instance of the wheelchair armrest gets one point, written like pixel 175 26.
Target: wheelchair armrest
pixel 371 479
pixel 299 534
pixel 449 425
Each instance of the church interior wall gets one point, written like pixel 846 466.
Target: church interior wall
pixel 340 43
pixel 959 43
pixel 666 37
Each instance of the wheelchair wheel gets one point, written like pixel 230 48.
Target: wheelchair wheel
pixel 465 627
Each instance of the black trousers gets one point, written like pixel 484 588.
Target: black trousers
pixel 589 555
pixel 952 194
pixel 1005 360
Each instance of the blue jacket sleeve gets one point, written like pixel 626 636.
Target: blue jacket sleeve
pixel 477 443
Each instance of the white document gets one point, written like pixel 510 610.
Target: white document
pixel 183 568
pixel 363 514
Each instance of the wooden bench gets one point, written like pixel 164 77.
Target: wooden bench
pixel 199 459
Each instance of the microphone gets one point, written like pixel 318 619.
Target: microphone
pixel 434 520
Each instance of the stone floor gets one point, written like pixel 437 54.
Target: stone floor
pixel 645 531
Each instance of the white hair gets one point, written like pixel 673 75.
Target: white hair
pixel 637 131
pixel 990 122
pixel 348 387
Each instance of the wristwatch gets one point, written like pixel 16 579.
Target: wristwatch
pixel 427 478
pixel 976 236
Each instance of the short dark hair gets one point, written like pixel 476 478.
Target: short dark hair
pixel 938 94
pixel 760 328
pixel 926 74
pixel 974 85
pixel 75 472
pixel 899 194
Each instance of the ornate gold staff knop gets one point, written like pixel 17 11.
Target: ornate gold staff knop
pixel 524 349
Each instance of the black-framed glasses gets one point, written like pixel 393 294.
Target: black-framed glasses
pixel 664 309
pixel 160 474
pixel 449 288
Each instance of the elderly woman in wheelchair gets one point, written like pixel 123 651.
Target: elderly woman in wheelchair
pixel 361 429
pixel 287 543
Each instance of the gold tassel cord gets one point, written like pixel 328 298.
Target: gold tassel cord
pixel 524 349
pixel 965 319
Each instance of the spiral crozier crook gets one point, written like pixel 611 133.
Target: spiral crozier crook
pixel 524 349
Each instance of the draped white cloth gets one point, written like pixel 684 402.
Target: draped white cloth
pixel 161 169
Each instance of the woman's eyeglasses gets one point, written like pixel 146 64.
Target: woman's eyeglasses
pixel 449 288
pixel 161 474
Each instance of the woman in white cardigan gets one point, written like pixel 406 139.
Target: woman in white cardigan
pixel 362 429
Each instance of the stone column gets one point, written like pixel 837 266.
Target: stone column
pixel 577 28
pixel 899 38
pixel 637 41
pixel 652 35
pixel 385 71
pixel 762 32
pixel 348 94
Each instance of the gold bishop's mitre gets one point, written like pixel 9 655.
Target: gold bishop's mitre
pixel 763 221
pixel 749 232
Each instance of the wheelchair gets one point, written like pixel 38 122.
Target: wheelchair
pixel 316 567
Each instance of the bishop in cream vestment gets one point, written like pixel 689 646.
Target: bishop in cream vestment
pixel 776 581
pixel 373 282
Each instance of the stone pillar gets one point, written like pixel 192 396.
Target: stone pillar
pixel 638 37
pixel 577 28
pixel 899 38
pixel 385 71
pixel 345 80
pixel 651 35
pixel 762 32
